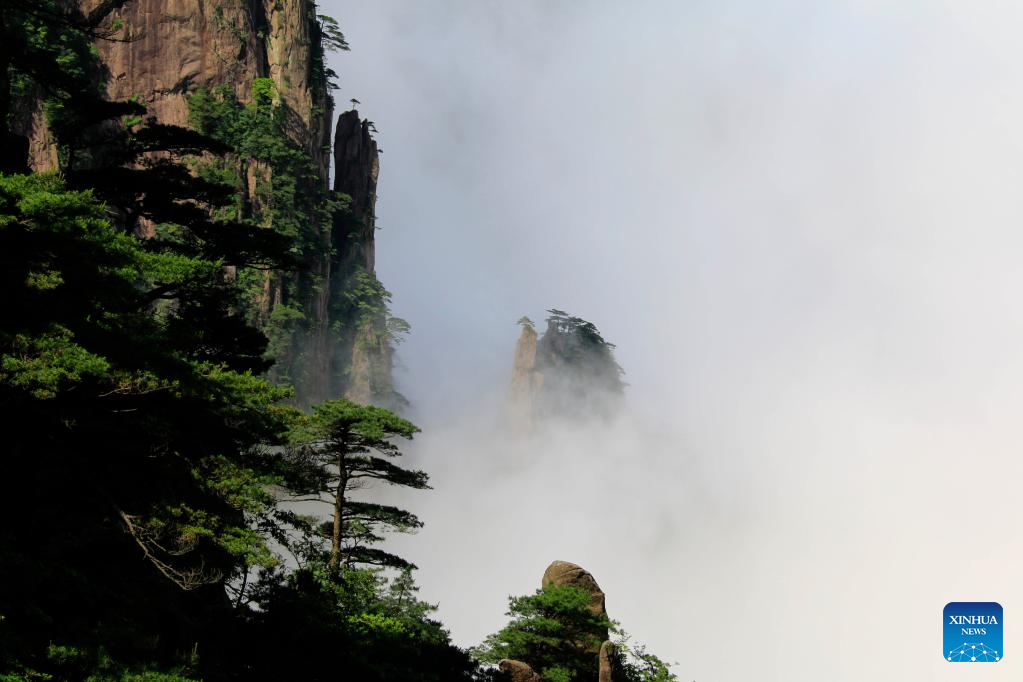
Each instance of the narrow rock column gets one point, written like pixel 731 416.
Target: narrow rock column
pixel 520 395
pixel 607 662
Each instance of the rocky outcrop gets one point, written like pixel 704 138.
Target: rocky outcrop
pixel 517 671
pixel 569 372
pixel 562 573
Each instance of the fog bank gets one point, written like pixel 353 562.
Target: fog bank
pixel 801 225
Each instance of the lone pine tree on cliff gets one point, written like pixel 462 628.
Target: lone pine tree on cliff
pixel 340 448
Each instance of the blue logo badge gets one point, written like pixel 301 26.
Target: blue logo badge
pixel 973 632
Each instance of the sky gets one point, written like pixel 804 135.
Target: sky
pixel 801 225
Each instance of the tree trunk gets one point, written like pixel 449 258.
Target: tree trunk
pixel 243 202
pixel 339 499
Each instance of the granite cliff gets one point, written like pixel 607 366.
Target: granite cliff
pixel 328 323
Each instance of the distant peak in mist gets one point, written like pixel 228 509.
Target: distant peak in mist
pixel 569 371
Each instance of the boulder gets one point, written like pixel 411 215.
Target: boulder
pixel 517 671
pixel 566 573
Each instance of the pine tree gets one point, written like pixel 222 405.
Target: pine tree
pixel 557 633
pixel 580 375
pixel 338 450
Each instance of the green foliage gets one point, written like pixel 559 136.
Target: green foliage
pixel 554 631
pixel 364 304
pixel 42 364
pixel 314 625
pixel 107 392
pixel 363 325
pixel 285 321
pixel 636 664
pixel 581 376
pixel 264 93
pixel 337 450
pixel 327 37
pixel 557 633
pixel 48 49
pixel 278 190
pixel 93 665
pixel 332 39
pixel 123 362
pixel 579 343
pixel 288 196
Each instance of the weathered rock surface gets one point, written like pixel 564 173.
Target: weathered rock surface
pixel 561 573
pixel 517 671
pixel 366 349
pixel 524 380
pixel 568 372
pixel 566 573
pixel 607 660
pixel 173 47
pixel 356 169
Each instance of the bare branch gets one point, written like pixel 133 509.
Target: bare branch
pixel 188 579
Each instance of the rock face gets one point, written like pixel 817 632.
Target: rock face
pixel 174 47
